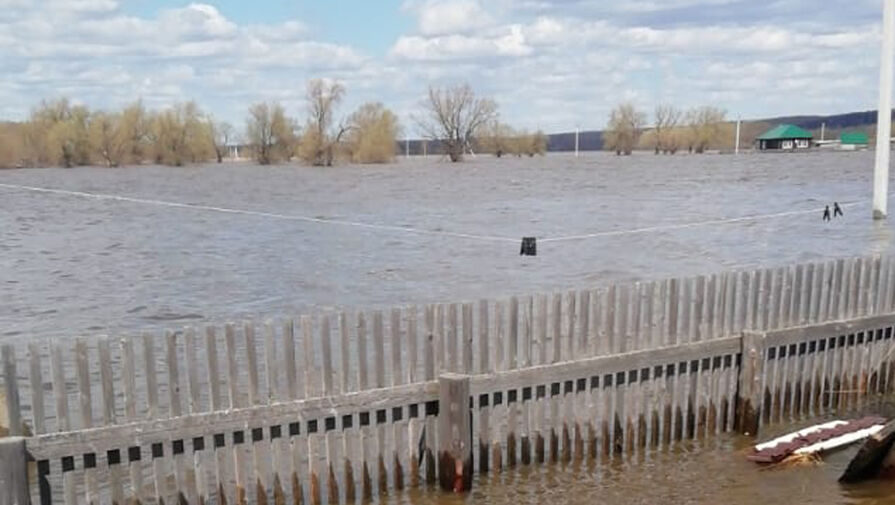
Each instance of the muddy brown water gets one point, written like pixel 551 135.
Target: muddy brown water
pixel 71 265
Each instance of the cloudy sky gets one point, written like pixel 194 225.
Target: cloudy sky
pixel 550 64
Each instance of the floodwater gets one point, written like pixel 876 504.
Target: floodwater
pixel 72 264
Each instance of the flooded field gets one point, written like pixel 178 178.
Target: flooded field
pixel 180 246
pixel 71 264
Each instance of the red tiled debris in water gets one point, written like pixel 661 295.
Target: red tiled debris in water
pixel 782 450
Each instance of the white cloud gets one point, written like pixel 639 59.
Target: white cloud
pixel 444 17
pixel 549 63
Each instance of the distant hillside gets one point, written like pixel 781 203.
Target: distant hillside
pixel 864 121
pixel 837 121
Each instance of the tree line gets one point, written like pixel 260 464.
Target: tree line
pixel 64 134
pixel 696 130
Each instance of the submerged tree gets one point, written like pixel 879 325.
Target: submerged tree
pixel 270 133
pixel 624 129
pixel 667 119
pixel 319 140
pixel 181 135
pixel 453 116
pixel 705 127
pixel 372 134
pixel 222 134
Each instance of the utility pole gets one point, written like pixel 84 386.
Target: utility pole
pixel 823 130
pixel 736 143
pixel 884 114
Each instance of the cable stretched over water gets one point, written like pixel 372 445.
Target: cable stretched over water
pixel 417 231
pixel 273 215
pixel 682 226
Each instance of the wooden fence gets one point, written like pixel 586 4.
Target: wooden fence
pixel 344 407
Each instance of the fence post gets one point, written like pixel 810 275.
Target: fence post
pixel 749 394
pixel 13 472
pixel 454 430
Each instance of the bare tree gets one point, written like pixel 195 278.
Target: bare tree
pixel 372 134
pixel 453 116
pixel 182 136
pixel 667 119
pixel 705 126
pixel 624 129
pixel 319 140
pixel 222 135
pixel 109 138
pixel 270 133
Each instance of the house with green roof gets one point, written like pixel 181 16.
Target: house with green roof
pixel 784 137
pixel 851 141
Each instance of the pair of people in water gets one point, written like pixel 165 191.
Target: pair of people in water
pixel 837 211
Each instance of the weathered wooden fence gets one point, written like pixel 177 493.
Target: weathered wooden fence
pixel 344 407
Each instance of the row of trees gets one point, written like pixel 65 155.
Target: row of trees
pixel 59 133
pixel 697 129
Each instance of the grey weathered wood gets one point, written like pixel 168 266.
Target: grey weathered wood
pixel 274 393
pixel 192 370
pixel 570 323
pixel 556 328
pixel 292 389
pixel 248 332
pixel 326 354
pixel 129 377
pixel 14 489
pixel 466 342
pixel 308 359
pixel 500 336
pixel 379 348
pixel 454 429
pixel 214 377
pixel 439 338
pixel 175 407
pixel 697 312
pixel 412 336
pixel 584 309
pixel 107 381
pixel 362 371
pixel 452 338
pixel 152 409
pixel 484 336
pixel 526 328
pixel 345 353
pixel 84 388
pixel 38 415
pixel 11 391
pixel 60 393
pixel 397 368
pixel 429 344
pixel 513 335
pixel 232 367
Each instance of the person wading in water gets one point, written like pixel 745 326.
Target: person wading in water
pixel 827 213
pixel 837 211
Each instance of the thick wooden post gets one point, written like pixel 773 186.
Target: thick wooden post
pixel 454 430
pixel 749 394
pixel 13 472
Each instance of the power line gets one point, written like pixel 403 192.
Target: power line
pixel 417 231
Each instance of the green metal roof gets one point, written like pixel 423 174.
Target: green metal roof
pixel 785 131
pixel 857 138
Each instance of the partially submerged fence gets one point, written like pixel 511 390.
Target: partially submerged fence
pixel 342 407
